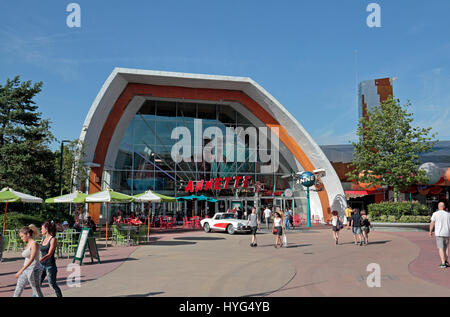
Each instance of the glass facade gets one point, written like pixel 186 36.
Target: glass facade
pixel 144 159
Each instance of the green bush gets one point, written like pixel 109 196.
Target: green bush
pixel 395 211
pixel 16 220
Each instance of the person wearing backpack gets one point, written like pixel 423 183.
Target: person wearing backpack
pixel 365 227
pixel 336 225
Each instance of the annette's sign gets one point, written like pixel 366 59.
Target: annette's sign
pixel 219 183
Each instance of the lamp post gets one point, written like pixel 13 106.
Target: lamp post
pixel 61 165
pixel 307 179
pixel 61 171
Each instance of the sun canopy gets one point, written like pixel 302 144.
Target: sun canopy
pixel 166 199
pixel 108 196
pixel 148 196
pixel 7 195
pixel 75 197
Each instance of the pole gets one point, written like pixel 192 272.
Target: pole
pixel 4 219
pixel 308 209
pixel 148 223
pixel 107 224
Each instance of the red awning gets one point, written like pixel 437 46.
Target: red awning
pixel 355 193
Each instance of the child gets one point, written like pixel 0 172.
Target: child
pixel 365 226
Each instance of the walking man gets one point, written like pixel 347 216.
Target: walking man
pixel 440 221
pixel 356 226
pixel 267 214
pixel 253 221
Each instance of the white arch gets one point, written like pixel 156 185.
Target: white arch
pixel 120 77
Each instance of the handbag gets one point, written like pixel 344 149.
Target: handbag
pixel 275 230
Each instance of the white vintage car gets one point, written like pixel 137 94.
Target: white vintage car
pixel 225 222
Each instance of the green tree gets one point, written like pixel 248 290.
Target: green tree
pixel 26 160
pixel 73 171
pixel 387 152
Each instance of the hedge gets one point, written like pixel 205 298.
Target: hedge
pixel 16 220
pixel 399 212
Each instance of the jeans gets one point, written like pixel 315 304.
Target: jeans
pixel 51 271
pixel 286 224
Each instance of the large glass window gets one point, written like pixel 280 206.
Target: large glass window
pixel 144 160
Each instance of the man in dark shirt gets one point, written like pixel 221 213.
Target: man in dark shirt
pixel 356 226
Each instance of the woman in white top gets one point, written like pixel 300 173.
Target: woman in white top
pixel 277 228
pixel 336 225
pixel 31 270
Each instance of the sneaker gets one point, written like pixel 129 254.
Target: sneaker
pixel 446 263
pixel 255 245
pixel 360 244
pixel 336 242
pixel 443 266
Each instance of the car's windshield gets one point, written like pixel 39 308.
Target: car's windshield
pixel 228 216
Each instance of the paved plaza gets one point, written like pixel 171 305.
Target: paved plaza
pixel 192 264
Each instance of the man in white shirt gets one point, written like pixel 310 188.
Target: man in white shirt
pixel 267 213
pixel 440 221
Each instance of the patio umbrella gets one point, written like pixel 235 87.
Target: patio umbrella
pixel 76 197
pixel 108 196
pixel 166 199
pixel 147 197
pixel 8 195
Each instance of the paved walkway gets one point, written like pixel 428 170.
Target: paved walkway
pixel 216 264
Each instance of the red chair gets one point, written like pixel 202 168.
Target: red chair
pixel 187 223
pixel 169 223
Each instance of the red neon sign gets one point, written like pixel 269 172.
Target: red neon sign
pixel 219 183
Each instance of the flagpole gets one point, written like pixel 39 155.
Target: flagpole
pixel 4 219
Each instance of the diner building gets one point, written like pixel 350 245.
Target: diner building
pixel 223 137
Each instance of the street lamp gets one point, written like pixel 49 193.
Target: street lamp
pixel 61 164
pixel 61 171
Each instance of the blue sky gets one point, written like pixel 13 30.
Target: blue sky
pixel 302 52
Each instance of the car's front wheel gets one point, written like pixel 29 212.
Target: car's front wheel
pixel 230 229
pixel 206 227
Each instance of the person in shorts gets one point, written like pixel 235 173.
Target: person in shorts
pixel 253 222
pixel 277 228
pixel 440 222
pixel 356 226
pixel 336 225
pixel 365 227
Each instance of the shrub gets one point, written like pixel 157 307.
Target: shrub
pixel 16 220
pixel 394 211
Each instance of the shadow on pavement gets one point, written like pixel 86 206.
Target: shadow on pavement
pixel 109 261
pixel 11 259
pixel 1 274
pixel 172 243
pixel 199 238
pixel 144 295
pixel 379 242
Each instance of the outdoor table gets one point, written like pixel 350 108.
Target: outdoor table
pixel 128 228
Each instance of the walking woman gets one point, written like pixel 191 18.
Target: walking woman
pixel 336 225
pixel 48 261
pixel 31 270
pixel 277 228
pixel 365 227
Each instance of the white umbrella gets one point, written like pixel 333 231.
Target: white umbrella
pixel 8 195
pixel 147 197
pixel 108 196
